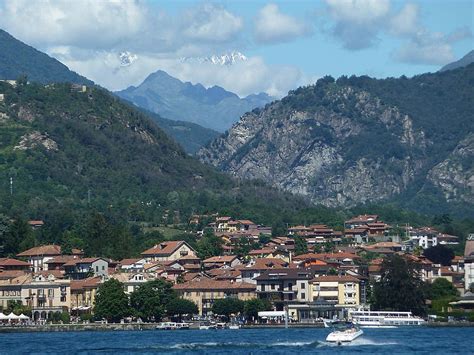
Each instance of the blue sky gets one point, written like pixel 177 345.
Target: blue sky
pixel 287 43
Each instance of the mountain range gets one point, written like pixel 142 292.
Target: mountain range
pixel 464 61
pixel 362 140
pixel 214 107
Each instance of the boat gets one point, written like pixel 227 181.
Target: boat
pixel 344 334
pixel 384 319
pixel 207 326
pixel 233 326
pixel 172 326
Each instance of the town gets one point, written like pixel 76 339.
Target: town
pixel 311 273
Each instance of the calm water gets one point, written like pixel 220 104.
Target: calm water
pixel 254 341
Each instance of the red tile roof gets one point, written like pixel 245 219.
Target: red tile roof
pixel 221 259
pixel 42 250
pixel 91 282
pixel 165 248
pixel 13 262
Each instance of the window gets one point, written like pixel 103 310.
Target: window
pixel 303 286
pixel 96 269
pixel 273 286
pixel 63 298
pixel 303 295
pixel 50 292
pixel 103 267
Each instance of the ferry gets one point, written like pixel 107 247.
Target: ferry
pixel 172 326
pixel 384 319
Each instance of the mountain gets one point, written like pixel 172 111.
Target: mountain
pixel 464 61
pixel 189 135
pixel 362 140
pixel 213 107
pixel 230 58
pixel 17 58
pixel 71 152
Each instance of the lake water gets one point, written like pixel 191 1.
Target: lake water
pixel 419 340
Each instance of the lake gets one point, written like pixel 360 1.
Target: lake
pixel 420 340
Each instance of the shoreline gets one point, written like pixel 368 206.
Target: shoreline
pixel 152 326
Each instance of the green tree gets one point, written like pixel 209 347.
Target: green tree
pixel 111 302
pixel 441 288
pixel 209 245
pixel 439 254
pixel 18 237
pixel 150 299
pixel 400 287
pixel 180 306
pixel 227 306
pixel 301 246
pixel 255 305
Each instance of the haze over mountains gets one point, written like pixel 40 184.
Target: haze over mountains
pixel 214 108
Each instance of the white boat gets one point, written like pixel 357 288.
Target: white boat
pixel 344 335
pixel 172 326
pixel 384 319
pixel 233 326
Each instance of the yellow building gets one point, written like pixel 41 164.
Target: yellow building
pixel 83 294
pixel 341 290
pixel 204 292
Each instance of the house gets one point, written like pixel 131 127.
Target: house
pixel 35 224
pixel 190 263
pixel 394 247
pixel 221 261
pixel 83 294
pixel 7 264
pixel 284 285
pixel 57 263
pixel 38 256
pixel 256 267
pixel 357 235
pixel 130 281
pixel 341 290
pixel 204 292
pixel 170 250
pixel 43 294
pixel 132 265
pixel 425 237
pixel 78 269
pixel 469 262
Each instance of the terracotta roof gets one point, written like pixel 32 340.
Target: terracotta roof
pixel 189 257
pixel 214 285
pixel 165 248
pixel 91 282
pixel 261 251
pixel 11 274
pixel 42 250
pixel 334 278
pixel 266 263
pixel 221 259
pixel 128 261
pixel 245 221
pixel 36 223
pixel 16 280
pixel 58 274
pixel 61 259
pixel 12 262
pixel 384 245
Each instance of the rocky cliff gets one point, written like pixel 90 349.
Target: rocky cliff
pixel 344 142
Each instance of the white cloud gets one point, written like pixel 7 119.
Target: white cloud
pixel 211 23
pixel 83 24
pixel 406 21
pixel 271 26
pixel 432 48
pixel 357 23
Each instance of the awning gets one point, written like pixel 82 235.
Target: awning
pixel 3 316
pixel 23 317
pixel 271 314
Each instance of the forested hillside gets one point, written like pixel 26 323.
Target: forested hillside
pixel 17 58
pixel 360 140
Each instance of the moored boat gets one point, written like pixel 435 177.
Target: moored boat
pixel 384 319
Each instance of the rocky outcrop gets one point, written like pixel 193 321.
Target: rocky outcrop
pixel 325 151
pixel 36 139
pixel 454 176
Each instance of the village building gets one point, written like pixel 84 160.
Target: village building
pixel 78 269
pixel 342 290
pixel 169 250
pixel 39 256
pixel 469 262
pixel 205 292
pixel 132 265
pixel 221 261
pixel 7 264
pixel 83 294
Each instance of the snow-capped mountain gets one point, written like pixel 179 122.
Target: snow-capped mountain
pixel 229 58
pixel 127 58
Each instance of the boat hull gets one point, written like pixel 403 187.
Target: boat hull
pixel 344 336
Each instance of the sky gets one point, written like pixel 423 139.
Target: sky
pixel 286 43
